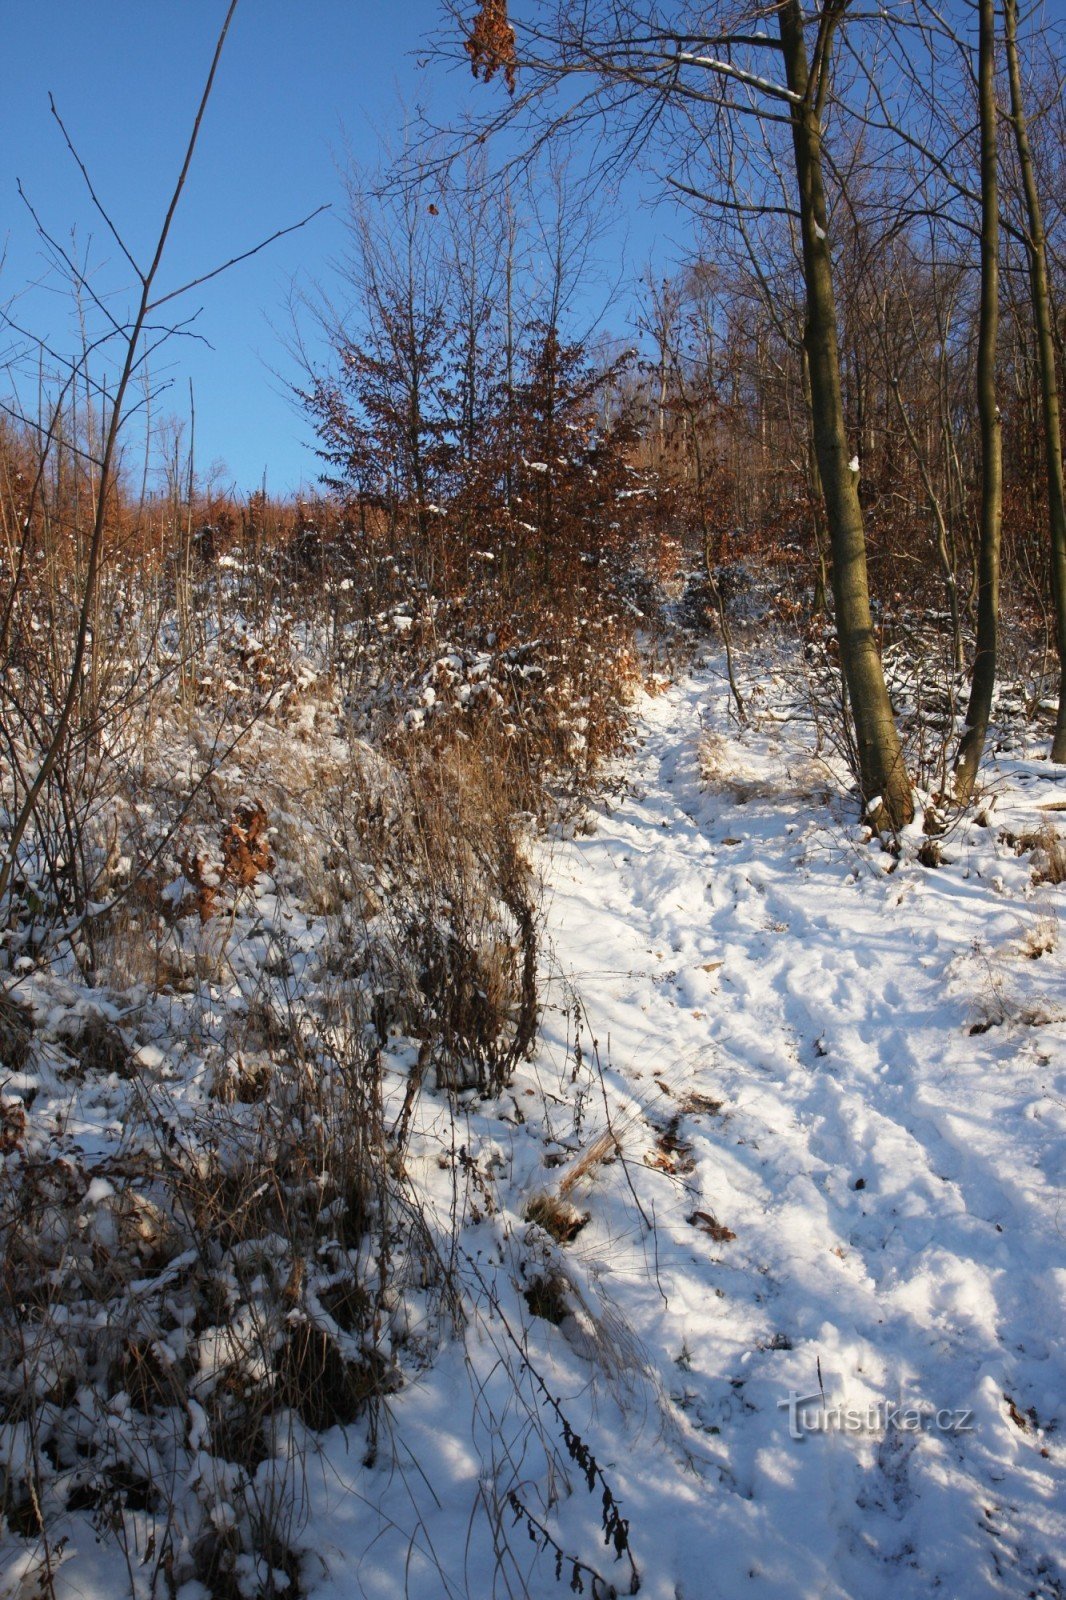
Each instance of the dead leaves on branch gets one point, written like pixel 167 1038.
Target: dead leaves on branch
pixel 491 44
pixel 245 853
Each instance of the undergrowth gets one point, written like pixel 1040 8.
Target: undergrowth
pixel 278 890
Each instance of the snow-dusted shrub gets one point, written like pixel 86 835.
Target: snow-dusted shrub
pixel 1047 853
pixel 16 1029
pixel 443 930
pixel 174 1320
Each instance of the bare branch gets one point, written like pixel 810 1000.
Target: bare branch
pixel 92 192
pixel 234 261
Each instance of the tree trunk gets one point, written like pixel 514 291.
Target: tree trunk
pixel 882 774
pixel 944 547
pixel 1045 343
pixel 983 681
pixel 814 477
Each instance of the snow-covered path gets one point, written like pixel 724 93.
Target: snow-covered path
pixel 796 1130
pixel 892 1177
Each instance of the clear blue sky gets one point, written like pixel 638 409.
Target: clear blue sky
pixel 301 85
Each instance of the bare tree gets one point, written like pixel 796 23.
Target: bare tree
pixel 706 71
pixel 983 680
pixel 1040 290
pixel 67 730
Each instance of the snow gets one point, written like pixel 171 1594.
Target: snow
pixel 891 1179
pixel 852 1194
pixel 811 1098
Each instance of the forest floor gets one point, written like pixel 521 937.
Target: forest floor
pixel 796 1128
pixel 838 1087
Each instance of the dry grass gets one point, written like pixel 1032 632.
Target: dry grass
pixel 721 771
pixel 604 1148
pixel 203 1297
pixel 562 1221
pixel 208 1270
pixel 446 938
pixel 1042 938
pixel 16 1032
pixel 1047 853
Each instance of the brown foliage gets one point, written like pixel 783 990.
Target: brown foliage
pixel 244 854
pixel 491 44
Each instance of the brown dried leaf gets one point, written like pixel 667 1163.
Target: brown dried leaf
pixel 491 44
pixel 245 850
pixel 708 1224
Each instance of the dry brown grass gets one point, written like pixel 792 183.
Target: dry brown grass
pixel 448 927
pixel 720 770
pixel 562 1221
pixel 604 1148
pixel 1047 853
pixel 16 1032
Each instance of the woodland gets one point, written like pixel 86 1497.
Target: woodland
pixel 519 959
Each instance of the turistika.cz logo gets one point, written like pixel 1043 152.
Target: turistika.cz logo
pixel 813 1413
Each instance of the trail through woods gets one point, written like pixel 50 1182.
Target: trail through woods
pixel 796 1127
pixel 886 1045
pixel 836 1083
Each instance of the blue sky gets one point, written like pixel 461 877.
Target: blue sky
pixel 301 86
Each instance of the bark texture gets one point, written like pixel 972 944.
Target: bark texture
pixel 882 773
pixel 1043 319
pixel 983 680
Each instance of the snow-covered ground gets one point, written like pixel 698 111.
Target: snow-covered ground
pixel 838 1085
pixel 802 1107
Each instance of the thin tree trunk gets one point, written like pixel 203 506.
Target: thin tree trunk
pixel 943 538
pixel 709 553
pixel 818 603
pixel 882 774
pixel 983 681
pixel 57 743
pixel 1036 249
